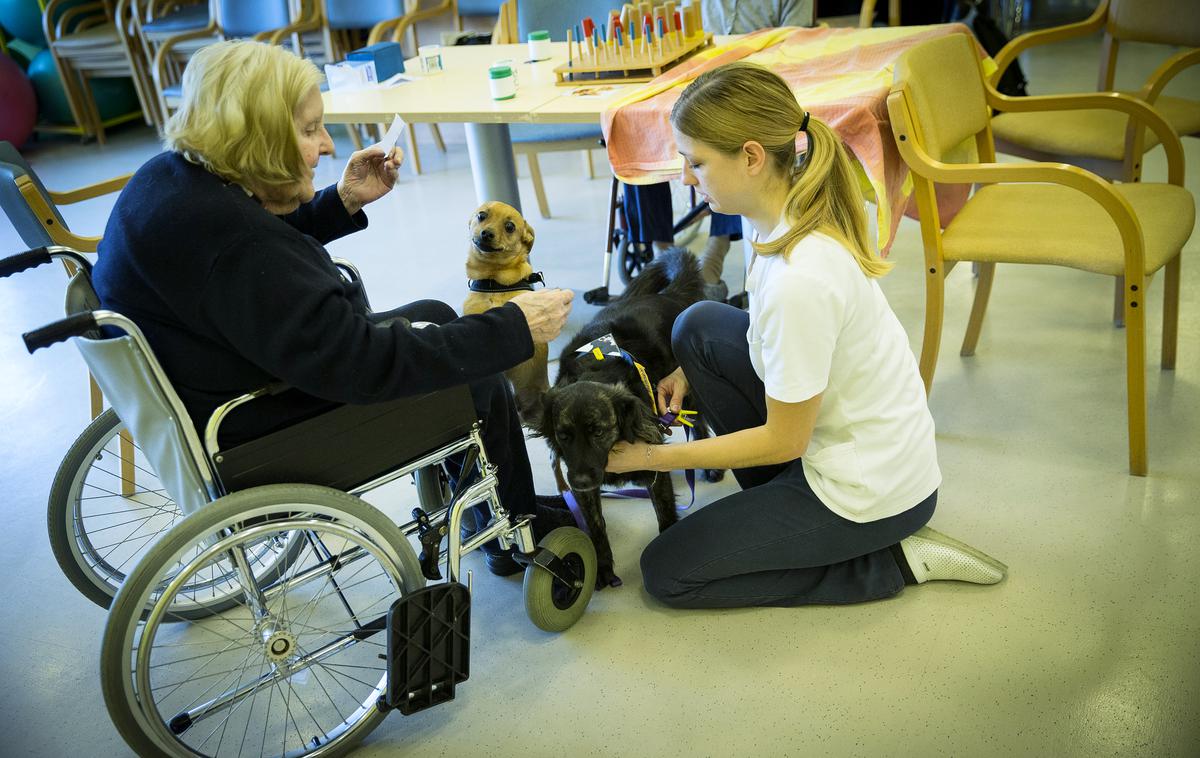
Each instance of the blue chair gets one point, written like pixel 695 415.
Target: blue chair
pixel 531 139
pixel 343 23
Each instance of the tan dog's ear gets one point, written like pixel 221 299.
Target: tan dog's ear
pixel 527 236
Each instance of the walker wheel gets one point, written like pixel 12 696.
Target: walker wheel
pixel 552 604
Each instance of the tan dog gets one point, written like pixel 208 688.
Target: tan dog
pixel 498 270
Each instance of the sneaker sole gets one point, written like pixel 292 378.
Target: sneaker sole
pixel 934 535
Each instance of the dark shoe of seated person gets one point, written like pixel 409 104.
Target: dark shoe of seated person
pixel 550 513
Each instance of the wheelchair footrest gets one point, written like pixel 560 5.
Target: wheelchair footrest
pixel 428 646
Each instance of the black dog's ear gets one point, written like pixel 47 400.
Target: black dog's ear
pixel 634 423
pixel 543 426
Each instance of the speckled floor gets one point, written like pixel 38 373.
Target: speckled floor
pixel 1090 648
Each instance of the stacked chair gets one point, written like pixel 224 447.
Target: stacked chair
pixel 94 41
pixel 271 21
pixel 1040 213
pixel 1107 142
pixel 156 21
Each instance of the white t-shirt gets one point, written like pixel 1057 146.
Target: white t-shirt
pixel 818 324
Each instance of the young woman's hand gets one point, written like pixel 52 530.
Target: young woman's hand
pixel 626 456
pixel 671 391
pixel 369 175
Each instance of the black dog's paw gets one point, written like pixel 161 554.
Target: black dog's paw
pixel 714 474
pixel 606 578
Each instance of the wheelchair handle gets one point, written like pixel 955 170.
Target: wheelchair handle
pixel 15 264
pixel 71 326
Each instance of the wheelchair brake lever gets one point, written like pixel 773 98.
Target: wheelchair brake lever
pixel 430 536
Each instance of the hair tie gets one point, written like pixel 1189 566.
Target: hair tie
pixel 804 123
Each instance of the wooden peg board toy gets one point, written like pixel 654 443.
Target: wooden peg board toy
pixel 635 44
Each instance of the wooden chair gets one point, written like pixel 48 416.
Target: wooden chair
pixel 1107 142
pixel 33 211
pixel 1039 213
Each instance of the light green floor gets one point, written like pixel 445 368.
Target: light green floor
pixel 1090 648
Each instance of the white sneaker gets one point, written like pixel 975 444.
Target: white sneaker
pixel 933 556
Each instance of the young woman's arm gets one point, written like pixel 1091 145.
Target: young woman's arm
pixel 782 439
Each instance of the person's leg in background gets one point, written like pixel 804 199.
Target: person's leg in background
pixel 649 213
pixel 722 230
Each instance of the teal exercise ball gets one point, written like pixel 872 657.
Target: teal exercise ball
pixel 19 113
pixel 114 97
pixel 22 19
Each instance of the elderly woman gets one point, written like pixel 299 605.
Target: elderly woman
pixel 215 249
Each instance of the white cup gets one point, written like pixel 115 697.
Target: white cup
pixel 431 58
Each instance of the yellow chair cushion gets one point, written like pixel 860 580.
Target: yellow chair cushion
pixel 1090 133
pixel 1048 223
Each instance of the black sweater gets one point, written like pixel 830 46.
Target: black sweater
pixel 232 297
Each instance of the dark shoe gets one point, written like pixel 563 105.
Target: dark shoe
pixel 550 511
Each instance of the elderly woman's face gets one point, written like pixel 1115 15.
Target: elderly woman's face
pixel 314 141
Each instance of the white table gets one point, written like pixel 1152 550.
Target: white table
pixel 460 94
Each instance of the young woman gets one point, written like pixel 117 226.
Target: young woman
pixel 814 394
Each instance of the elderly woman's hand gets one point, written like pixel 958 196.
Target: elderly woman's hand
pixel 369 175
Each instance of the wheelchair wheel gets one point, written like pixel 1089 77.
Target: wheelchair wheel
pixel 553 605
pixel 632 257
pixel 301 673
pixel 101 523
pixel 433 488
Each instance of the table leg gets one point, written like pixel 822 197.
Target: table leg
pixel 492 164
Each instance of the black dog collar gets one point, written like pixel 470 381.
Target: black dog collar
pixel 491 285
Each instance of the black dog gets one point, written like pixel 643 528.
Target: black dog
pixel 601 397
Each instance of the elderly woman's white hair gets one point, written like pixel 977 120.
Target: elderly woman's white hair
pixel 237 116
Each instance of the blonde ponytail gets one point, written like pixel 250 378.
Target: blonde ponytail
pixel 739 102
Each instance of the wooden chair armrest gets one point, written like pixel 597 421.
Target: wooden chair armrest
pixel 162 55
pixel 1023 42
pixel 66 197
pixel 58 233
pixel 1167 71
pixel 1063 174
pixel 1137 110
pixel 408 19
pixel 55 26
pixel 297 27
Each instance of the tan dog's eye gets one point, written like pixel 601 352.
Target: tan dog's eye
pixel 481 216
pixel 510 227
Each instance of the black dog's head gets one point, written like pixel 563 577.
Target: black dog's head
pixel 582 421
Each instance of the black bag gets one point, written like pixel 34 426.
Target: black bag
pixel 988 32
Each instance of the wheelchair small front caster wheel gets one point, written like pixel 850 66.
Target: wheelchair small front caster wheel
pixel 553 602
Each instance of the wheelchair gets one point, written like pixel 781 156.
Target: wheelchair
pixel 631 256
pixel 307 615
pixel 106 504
